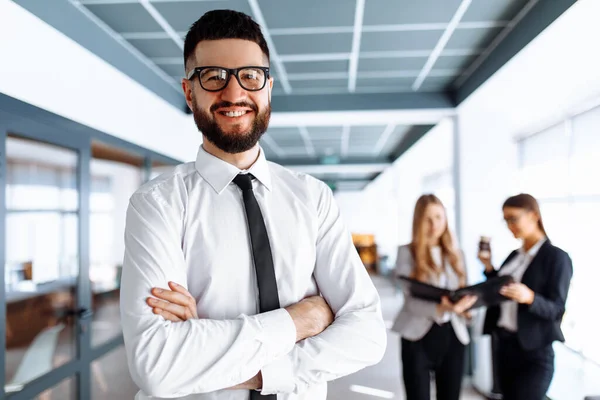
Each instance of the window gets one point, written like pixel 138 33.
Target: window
pixel 115 176
pixel 561 168
pixel 41 220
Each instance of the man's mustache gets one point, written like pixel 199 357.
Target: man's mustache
pixel 223 104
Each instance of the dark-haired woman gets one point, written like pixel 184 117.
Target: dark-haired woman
pixel 526 326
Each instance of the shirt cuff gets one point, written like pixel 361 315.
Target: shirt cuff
pixel 278 332
pixel 278 377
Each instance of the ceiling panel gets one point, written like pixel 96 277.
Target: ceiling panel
pixel 493 10
pixel 350 186
pixel 307 13
pixel 394 140
pixel 457 63
pixel 358 134
pixel 437 83
pixel 317 66
pixel 278 90
pixel 325 132
pixel 328 147
pixel 399 41
pixel 182 14
pixel 363 151
pixel 157 47
pixel 472 38
pixel 385 82
pixel 321 43
pixel 286 137
pixel 409 11
pixel 296 153
pixel 173 70
pixel 319 84
pixel 125 17
pixel 391 64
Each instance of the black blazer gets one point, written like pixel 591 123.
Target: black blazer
pixel 549 276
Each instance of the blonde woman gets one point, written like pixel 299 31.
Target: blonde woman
pixel 433 336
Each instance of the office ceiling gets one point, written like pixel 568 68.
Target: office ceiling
pixel 319 48
pixel 328 46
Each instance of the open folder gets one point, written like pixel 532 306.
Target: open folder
pixel 488 292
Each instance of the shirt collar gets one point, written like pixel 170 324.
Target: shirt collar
pixel 535 249
pixel 219 174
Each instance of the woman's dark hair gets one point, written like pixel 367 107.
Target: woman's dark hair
pixel 223 24
pixel 526 202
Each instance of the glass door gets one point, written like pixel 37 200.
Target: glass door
pixel 42 261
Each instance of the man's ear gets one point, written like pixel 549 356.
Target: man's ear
pixel 186 85
pixel 271 81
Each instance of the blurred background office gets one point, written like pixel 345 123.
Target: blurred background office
pixel 472 100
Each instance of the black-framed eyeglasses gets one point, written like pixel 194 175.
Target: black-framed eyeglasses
pixel 213 79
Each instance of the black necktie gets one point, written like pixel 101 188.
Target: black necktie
pixel 261 253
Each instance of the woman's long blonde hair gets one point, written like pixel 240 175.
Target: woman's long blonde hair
pixel 425 268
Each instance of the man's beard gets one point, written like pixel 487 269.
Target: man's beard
pixel 233 142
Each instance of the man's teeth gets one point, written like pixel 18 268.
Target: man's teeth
pixel 234 113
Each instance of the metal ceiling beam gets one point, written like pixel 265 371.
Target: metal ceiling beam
pixel 353 65
pixel 362 102
pixel 324 30
pixel 162 22
pixel 310 149
pixel 321 169
pixel 97 2
pixel 410 138
pixel 439 47
pixel 383 138
pixel 83 27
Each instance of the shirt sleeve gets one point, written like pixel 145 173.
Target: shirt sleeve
pixel 357 337
pixel 552 306
pixel 196 356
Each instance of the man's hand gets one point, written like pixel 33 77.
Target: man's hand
pixel 311 316
pixel 175 305
pixel 518 292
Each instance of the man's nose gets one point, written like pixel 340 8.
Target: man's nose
pixel 234 93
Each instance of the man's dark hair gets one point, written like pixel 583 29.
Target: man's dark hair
pixel 223 24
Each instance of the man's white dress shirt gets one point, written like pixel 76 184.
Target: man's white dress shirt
pixel 516 268
pixel 189 226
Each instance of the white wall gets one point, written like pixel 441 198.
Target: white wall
pixel 552 77
pixel 385 207
pixel 43 67
pixel 125 179
pixel 555 74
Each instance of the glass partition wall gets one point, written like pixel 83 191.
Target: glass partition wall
pixel 62 213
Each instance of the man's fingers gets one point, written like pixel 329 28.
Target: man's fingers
pixel 178 288
pixel 172 308
pixel 172 296
pixel 166 315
